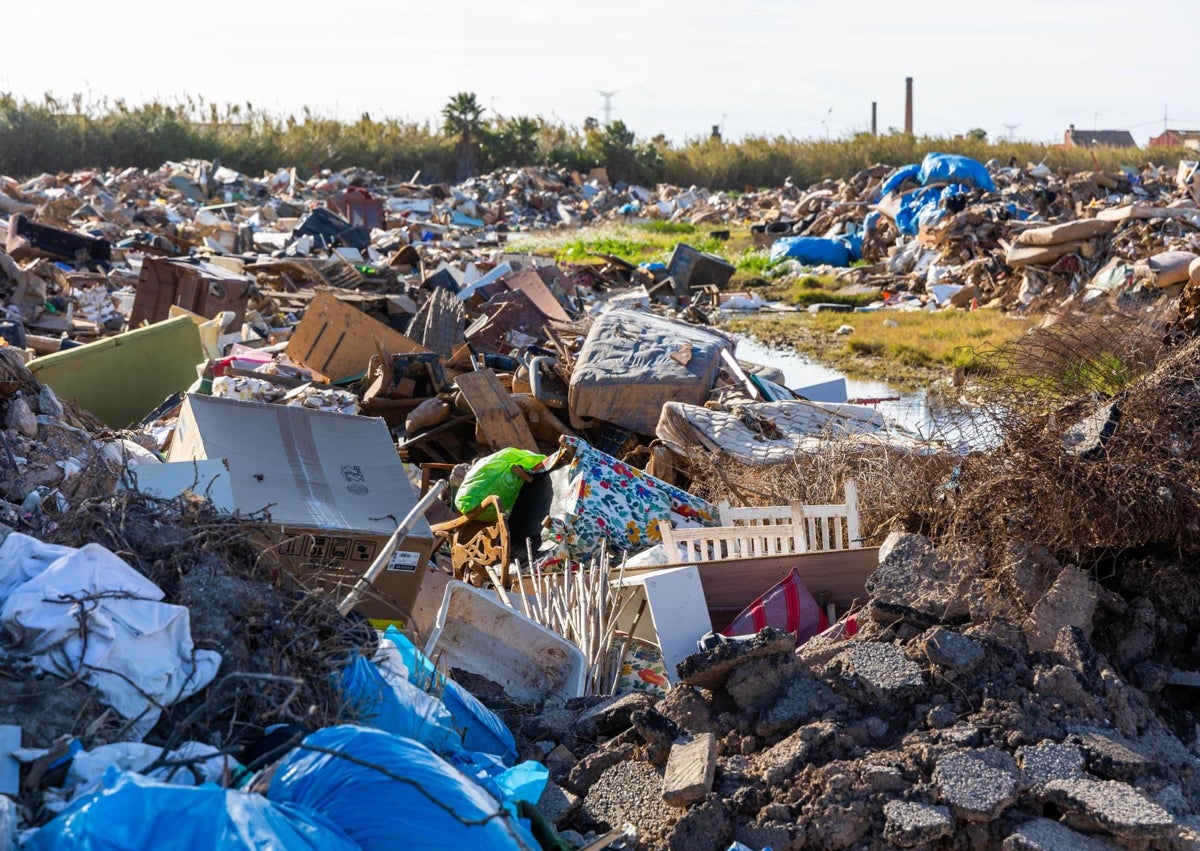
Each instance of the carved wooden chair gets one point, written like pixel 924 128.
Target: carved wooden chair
pixel 477 545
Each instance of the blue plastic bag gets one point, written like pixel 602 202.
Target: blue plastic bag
pixel 954 168
pixel 414 800
pixel 131 813
pixel 811 251
pixel 482 730
pixel 398 707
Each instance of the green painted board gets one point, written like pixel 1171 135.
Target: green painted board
pixel 121 379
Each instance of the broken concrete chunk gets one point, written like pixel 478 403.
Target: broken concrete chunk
pixel 1116 807
pixel 975 788
pixel 803 698
pixel 760 680
pixel 611 716
pixel 1109 758
pixel 951 649
pixel 784 760
pixel 1043 834
pixel 1071 601
pixel 882 671
pixel 706 827
pixel 589 769
pixel 1047 761
pixel 913 575
pixel 910 823
pixel 691 768
pixel 712 668
pixel 686 707
pixel 659 731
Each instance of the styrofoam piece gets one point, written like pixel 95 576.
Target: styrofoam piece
pixel 477 633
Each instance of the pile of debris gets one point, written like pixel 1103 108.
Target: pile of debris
pixel 648 611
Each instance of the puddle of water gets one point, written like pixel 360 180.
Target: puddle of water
pixel 962 428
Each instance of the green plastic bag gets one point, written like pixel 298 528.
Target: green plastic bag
pixel 494 475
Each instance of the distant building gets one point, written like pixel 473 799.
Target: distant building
pixel 1177 139
pixel 1098 138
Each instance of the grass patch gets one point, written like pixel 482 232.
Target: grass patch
pixel 634 242
pixel 919 349
pixel 658 226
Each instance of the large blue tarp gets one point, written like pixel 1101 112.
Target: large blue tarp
pixel 924 207
pixel 955 168
pixel 898 177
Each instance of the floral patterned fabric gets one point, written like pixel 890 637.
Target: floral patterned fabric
pixel 642 669
pixel 598 498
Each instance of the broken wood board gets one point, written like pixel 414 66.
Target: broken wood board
pixel 338 340
pixel 501 421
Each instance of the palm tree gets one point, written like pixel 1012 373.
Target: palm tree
pixel 463 119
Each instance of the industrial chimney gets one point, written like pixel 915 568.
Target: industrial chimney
pixel 874 115
pixel 908 122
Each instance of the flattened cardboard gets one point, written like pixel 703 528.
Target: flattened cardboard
pixel 333 485
pixel 338 340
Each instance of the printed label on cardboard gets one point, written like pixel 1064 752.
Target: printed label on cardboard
pixel 404 561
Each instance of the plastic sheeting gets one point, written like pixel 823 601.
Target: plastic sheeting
pixel 924 207
pixel 134 813
pixel 482 730
pixel 87 612
pixel 413 799
pixel 955 168
pixel 811 251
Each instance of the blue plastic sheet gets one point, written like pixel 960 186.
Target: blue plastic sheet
pixel 898 177
pixel 418 801
pixel 482 730
pixel 955 168
pixel 132 813
pixel 811 251
pixel 924 207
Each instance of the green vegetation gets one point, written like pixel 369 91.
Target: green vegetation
pixel 919 348
pixel 638 242
pixel 57 134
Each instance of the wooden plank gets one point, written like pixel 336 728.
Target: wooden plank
pixel 338 340
pixel 499 418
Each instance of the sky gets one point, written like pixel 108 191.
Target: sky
pixel 804 69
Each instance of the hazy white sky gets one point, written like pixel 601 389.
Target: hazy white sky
pixel 800 68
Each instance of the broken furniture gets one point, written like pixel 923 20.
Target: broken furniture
pixel 826 527
pixel 678 611
pixel 202 288
pixel 476 544
pixel 120 379
pixel 632 363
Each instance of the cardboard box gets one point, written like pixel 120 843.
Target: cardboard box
pixel 333 485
